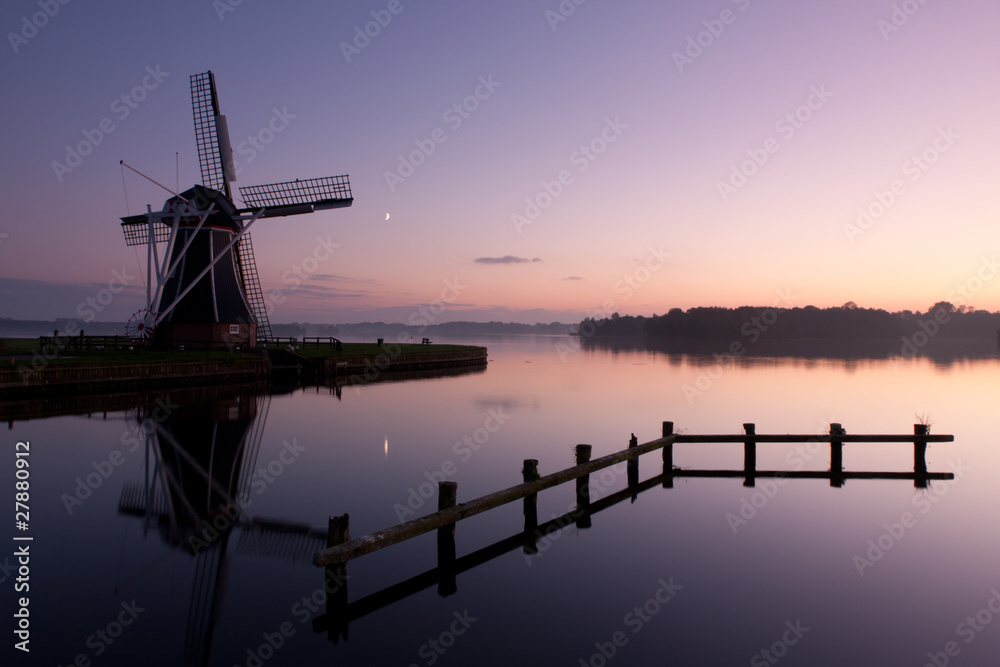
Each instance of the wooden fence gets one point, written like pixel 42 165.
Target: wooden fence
pixel 449 513
pixel 341 549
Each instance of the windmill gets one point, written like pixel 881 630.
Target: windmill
pixel 204 290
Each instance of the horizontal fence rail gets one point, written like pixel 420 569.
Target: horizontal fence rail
pixel 342 549
pixel 364 545
pixel 814 438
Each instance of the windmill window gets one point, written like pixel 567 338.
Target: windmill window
pixel 234 329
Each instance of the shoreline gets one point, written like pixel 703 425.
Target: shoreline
pixel 364 364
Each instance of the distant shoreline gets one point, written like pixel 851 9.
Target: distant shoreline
pixel 10 328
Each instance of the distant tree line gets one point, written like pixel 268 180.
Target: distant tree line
pixel 751 323
pixel 385 329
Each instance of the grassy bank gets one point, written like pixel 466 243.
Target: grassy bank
pixel 24 350
pixel 362 350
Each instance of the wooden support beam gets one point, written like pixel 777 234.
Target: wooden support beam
pixel 750 455
pixel 668 456
pixel 632 469
pixel 335 580
pixel 447 496
pixel 529 473
pixel 836 456
pixel 583 488
pixel 920 454
pixel 394 534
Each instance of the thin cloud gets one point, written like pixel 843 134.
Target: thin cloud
pixel 573 278
pixel 506 259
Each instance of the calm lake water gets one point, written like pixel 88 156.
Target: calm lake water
pixel 708 572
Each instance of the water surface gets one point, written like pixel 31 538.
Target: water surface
pixel 708 572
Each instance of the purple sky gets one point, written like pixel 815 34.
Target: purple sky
pixel 609 161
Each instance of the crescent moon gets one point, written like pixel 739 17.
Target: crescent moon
pixel 386 216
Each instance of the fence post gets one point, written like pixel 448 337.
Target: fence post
pixel 583 488
pixel 335 580
pixel 632 469
pixel 836 457
pixel 447 584
pixel 750 456
pixel 920 456
pixel 529 473
pixel 668 457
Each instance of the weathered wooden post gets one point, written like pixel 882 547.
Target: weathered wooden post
pixel 920 456
pixel 750 456
pixel 632 469
pixel 668 457
pixel 529 473
pixel 335 580
pixel 447 584
pixel 836 456
pixel 583 488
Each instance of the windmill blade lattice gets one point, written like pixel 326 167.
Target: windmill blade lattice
pixel 211 154
pixel 251 285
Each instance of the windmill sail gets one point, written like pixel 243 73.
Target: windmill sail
pixel 207 124
pixel 251 285
pixel 295 197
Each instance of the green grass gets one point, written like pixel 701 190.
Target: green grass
pixel 23 349
pixel 372 349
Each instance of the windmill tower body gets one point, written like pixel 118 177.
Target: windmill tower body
pixel 216 308
pixel 206 290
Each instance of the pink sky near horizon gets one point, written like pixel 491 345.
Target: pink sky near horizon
pixel 669 138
